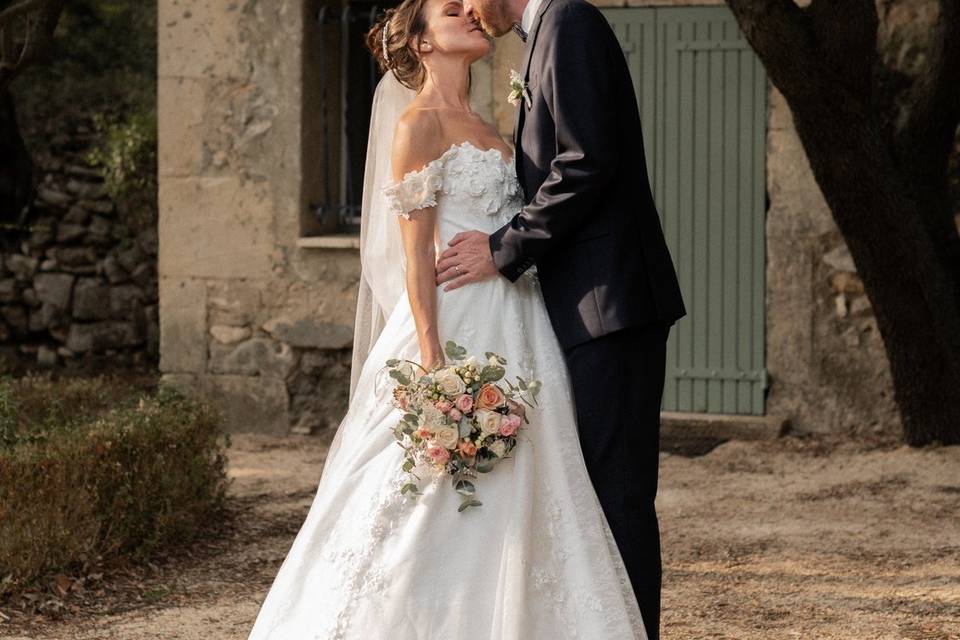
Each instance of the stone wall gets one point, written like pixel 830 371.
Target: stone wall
pixel 81 283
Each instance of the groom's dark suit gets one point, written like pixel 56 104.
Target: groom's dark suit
pixel 591 227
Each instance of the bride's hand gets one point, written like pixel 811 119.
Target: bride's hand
pixel 433 357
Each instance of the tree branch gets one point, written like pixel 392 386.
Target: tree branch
pixel 845 37
pixel 934 110
pixel 39 33
pixel 781 34
pixel 7 15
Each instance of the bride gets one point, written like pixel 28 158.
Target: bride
pixel 537 559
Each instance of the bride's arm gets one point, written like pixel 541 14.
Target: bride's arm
pixel 412 151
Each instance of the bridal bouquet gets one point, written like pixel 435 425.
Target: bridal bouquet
pixel 457 419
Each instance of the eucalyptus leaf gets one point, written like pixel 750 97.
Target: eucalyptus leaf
pixel 399 377
pixel 392 362
pixel 486 463
pixel 466 427
pixel 471 502
pixel 464 487
pixel 455 351
pixel 491 373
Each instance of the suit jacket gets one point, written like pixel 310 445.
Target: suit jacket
pixel 589 223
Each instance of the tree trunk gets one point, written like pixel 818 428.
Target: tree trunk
pixel 912 289
pixel 886 186
pixel 16 171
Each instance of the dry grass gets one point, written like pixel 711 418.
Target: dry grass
pixel 92 470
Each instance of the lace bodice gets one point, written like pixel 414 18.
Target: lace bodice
pixel 472 188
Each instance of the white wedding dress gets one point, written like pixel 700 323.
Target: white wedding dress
pixel 537 559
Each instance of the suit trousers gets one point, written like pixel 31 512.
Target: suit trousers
pixel 617 384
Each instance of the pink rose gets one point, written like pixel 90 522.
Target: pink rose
pixel 490 397
pixel 509 424
pixel 438 453
pixel 422 432
pixel 468 449
pixel 455 415
pixel 464 403
pixel 444 406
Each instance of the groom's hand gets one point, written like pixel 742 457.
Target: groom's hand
pixel 471 251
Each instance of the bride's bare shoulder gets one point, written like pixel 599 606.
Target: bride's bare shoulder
pixel 417 140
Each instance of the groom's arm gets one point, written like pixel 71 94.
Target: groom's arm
pixel 579 90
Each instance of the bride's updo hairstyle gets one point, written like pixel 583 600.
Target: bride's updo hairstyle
pixel 389 41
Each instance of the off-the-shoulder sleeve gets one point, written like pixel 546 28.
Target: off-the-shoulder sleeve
pixel 417 190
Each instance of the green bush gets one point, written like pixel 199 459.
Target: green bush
pixel 127 157
pixel 90 468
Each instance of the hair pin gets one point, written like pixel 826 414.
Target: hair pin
pixel 386 28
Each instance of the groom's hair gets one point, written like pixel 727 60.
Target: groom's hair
pixel 393 52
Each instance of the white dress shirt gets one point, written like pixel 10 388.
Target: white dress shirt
pixel 529 13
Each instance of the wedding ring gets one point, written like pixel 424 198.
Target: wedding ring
pixel 458 270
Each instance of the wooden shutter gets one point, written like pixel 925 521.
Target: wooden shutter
pixel 703 95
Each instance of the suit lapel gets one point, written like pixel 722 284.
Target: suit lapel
pixel 525 74
pixel 532 37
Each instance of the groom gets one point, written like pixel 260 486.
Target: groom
pixel 591 227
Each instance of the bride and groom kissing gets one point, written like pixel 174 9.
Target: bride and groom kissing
pixel 554 258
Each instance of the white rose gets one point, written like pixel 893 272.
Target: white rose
pixel 488 421
pixel 447 437
pixel 450 382
pixel 498 448
pixel 431 419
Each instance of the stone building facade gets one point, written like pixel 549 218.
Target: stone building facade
pixel 256 306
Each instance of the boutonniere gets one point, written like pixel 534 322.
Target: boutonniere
pixel 518 90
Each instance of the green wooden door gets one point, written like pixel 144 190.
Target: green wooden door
pixel 702 94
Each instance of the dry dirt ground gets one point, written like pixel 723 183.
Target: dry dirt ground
pixel 799 538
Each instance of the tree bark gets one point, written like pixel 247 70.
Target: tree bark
pixel 26 29
pixel 16 172
pixel 887 188
pixel 18 52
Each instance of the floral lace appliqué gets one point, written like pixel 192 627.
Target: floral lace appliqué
pixel 354 556
pixel 463 171
pixel 417 190
pixel 483 176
